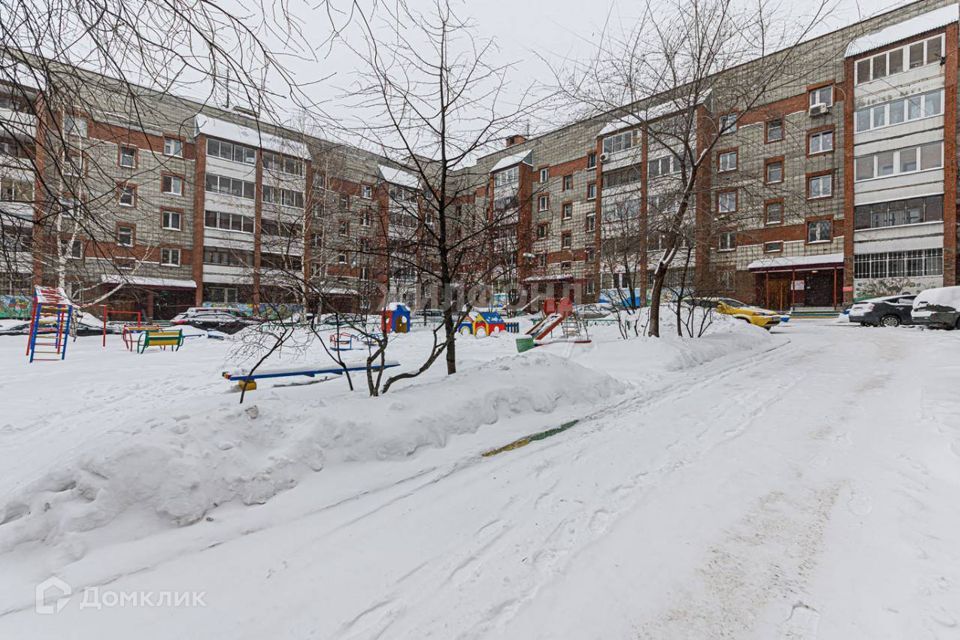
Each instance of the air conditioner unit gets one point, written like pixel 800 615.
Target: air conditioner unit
pixel 604 157
pixel 819 109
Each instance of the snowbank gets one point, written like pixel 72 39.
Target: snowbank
pixel 178 469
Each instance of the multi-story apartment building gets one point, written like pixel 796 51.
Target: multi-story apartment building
pixel 839 185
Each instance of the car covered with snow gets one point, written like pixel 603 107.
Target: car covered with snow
pixel 937 308
pixel 887 311
pixel 757 316
pixel 223 318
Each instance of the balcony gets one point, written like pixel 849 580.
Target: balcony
pixel 20 124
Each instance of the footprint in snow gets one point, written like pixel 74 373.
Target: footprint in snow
pixel 860 505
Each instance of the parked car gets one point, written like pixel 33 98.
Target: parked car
pixel 888 311
pixel 763 318
pixel 593 311
pixel 213 318
pixel 937 308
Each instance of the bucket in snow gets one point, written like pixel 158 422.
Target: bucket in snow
pixel 525 344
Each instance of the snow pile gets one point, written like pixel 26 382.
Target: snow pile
pixel 178 468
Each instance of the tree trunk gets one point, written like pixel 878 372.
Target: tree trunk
pixel 658 277
pixel 451 337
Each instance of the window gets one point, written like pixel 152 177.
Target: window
pixel 223 295
pixel 727 202
pixel 541 259
pixel 566 266
pixel 228 221
pixel 915 107
pixel 75 126
pixel 819 231
pixel 773 213
pixel 543 203
pixel 899 264
pixel 231 151
pixel 227 257
pixel 230 186
pixel 774 130
pixel 365 218
pixel 286 197
pixel 589 254
pixel 727 241
pixel 820 142
pixel 590 222
pixel 662 166
pixel 75 250
pixel 727 123
pixel 592 160
pixel 366 191
pixel 823 95
pixel 541 231
pixel 567 210
pixel 283 164
pixel 343 228
pixel 774 171
pixel 820 186
pixel 900 161
pixel 72 162
pixel 506 177
pixel 929 51
pixel 171 220
pixel 773 247
pixel 127 195
pixel 567 183
pixel 344 201
pixel 591 191
pixel 341 258
pixel 169 257
pixel 171 185
pixel 566 240
pixel 898 213
pixel 12 190
pixel 728 161
pixel 621 177
pixel 125 235
pixel 544 174
pixel 128 157
pixel 173 147
pixel 618 142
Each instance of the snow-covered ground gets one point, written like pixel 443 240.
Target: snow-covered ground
pixel 747 485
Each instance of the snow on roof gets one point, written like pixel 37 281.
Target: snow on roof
pixel 113 278
pixel 399 177
pixel 393 306
pixel 250 135
pixel 563 276
pixel 508 161
pixel 51 295
pixel 19 73
pixel 650 113
pixel 908 28
pixel 796 261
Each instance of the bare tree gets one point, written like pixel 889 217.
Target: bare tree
pixel 680 85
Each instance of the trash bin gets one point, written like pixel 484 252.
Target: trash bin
pixel 525 344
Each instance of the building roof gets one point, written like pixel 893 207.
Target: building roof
pixel 399 177
pixel 788 262
pixel 142 281
pixel 251 136
pixel 508 161
pixel 902 30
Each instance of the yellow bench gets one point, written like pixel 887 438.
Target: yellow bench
pixel 162 339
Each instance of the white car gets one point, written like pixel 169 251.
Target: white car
pixel 938 308
pixel 211 316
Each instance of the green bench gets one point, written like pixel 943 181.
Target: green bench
pixel 163 339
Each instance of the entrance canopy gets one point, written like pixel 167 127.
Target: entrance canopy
pixel 798 263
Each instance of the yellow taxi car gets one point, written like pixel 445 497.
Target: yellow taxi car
pixel 764 318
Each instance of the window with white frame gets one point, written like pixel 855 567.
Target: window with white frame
pixel 727 123
pixel 618 142
pixel 366 191
pixel 820 142
pixel 172 220
pixel 128 157
pixel 285 197
pixel 171 185
pixel 230 186
pixel 169 257
pixel 727 202
pixel 915 107
pixel 127 195
pixel 820 186
pixel 590 222
pixel 276 162
pixel 567 210
pixel 228 221
pixel 566 240
pixel 728 161
pixel 662 166
pixel 894 61
pixel 819 231
pixel 223 295
pixel 774 131
pixel 774 171
pixel 727 241
pixel 544 174
pixel 543 203
pixel 591 191
pixel 173 147
pixel 822 96
pixel 773 213
pixel 775 246
pixel 899 264
pixel 231 151
pixel 72 162
pixel 75 126
pixel 589 254
pixel 899 161
pixel 506 176
pixel 124 235
pixel 898 212
pixel 592 160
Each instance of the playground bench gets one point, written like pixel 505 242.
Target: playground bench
pixel 164 339
pixel 128 332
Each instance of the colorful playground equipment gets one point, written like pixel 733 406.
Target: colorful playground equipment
pixel 341 341
pixel 481 324
pixel 160 338
pixel 49 324
pixel 248 381
pixel 129 327
pixel 556 314
pixel 395 318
